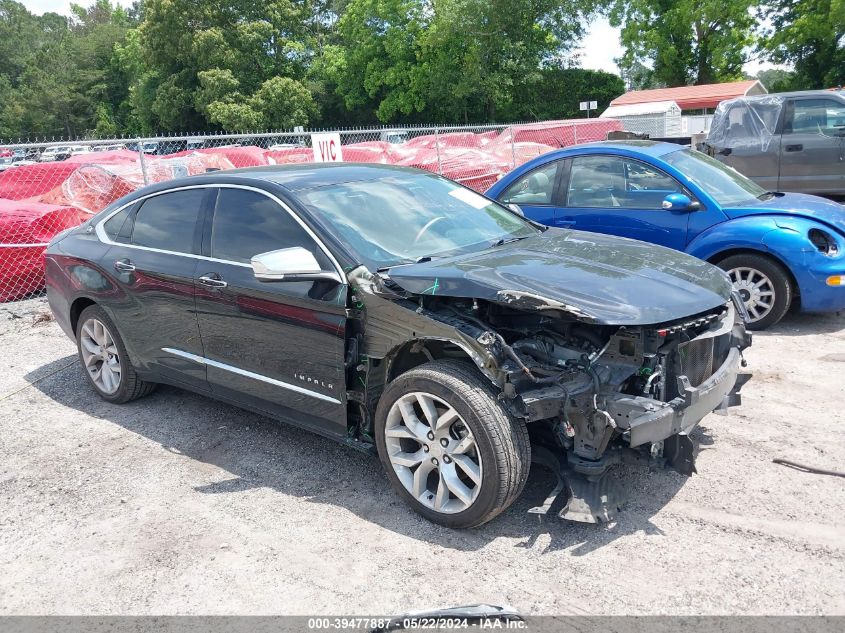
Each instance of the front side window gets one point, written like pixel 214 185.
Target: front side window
pixel 816 116
pixel 168 221
pixel 535 187
pixel 405 217
pixel 741 123
pixel 247 223
pixel 615 182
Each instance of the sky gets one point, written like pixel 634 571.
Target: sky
pixel 598 50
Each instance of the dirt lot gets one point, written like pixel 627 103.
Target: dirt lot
pixel 176 504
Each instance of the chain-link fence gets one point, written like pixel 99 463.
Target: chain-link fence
pixel 51 186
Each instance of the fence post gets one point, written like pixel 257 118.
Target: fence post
pixel 143 164
pixel 575 133
pixel 437 147
pixel 513 148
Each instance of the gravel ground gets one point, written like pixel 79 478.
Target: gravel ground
pixel 176 504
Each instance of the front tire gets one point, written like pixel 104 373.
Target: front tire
pixel 764 286
pixel 449 447
pixel 105 360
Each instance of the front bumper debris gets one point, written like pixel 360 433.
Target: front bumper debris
pixel 644 420
pixel 585 498
pixel 586 492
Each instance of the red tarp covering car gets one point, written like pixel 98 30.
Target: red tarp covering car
pixel 29 181
pixel 37 201
pixel 561 133
pixel 249 156
pixel 369 152
pixel 450 139
pixel 95 185
pixel 290 155
pixel 25 228
pixel 472 167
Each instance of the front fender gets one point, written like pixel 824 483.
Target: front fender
pixel 747 233
pixel 809 267
pixel 786 239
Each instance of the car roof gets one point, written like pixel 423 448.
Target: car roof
pixel 798 93
pixel 650 148
pixel 311 175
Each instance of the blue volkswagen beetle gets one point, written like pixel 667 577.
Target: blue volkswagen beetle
pixel 777 248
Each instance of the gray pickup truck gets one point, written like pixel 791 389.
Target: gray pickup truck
pixel 791 141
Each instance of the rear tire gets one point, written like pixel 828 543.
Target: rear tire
pixel 104 359
pixel 449 447
pixel 764 285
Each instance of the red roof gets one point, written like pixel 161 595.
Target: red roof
pixel 691 97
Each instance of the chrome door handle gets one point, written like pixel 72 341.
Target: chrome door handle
pixel 124 266
pixel 212 281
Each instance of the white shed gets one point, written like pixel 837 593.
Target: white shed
pixel 658 119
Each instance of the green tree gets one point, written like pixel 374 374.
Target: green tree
pixel 685 41
pixel 450 59
pixel 810 35
pixel 283 103
pixel 208 63
pixel 777 79
pixel 557 92
pixel 482 55
pixel 58 71
pixel 380 60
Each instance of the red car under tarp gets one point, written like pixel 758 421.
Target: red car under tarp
pixel 25 229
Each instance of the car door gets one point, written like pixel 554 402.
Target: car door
pixel 624 196
pixel 277 346
pixel 153 260
pixel 813 146
pixel 536 193
pixel 752 141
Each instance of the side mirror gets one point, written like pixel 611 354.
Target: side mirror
pixel 679 202
pixel 289 264
pixel 513 206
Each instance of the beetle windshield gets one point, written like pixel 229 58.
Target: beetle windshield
pixel 404 218
pixel 725 185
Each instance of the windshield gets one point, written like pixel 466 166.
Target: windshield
pixel 725 185
pixel 401 219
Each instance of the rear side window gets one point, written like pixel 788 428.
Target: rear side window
pixel 168 221
pixel 247 223
pixel 115 223
pixel 816 116
pixel 535 187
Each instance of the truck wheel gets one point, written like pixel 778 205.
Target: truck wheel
pixel 764 286
pixel 449 447
pixel 104 358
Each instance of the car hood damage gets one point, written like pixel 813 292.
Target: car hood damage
pixel 607 349
pixel 595 278
pixel 794 205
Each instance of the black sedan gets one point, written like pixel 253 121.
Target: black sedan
pixel 397 311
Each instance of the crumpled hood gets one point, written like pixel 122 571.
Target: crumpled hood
pixel 795 205
pixel 597 278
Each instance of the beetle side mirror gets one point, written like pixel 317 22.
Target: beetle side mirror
pixel 679 202
pixel 513 206
pixel 289 264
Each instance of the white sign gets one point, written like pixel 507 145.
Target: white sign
pixel 326 148
pixel 589 105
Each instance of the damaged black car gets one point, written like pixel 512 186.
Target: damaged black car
pixel 402 313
